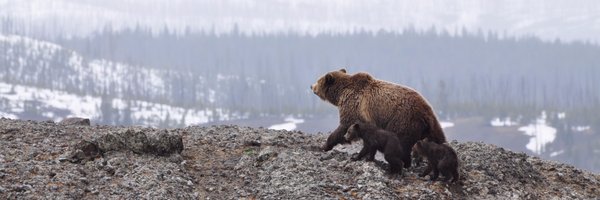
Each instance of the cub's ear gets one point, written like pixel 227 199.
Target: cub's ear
pixel 419 143
pixel 329 79
pixel 343 70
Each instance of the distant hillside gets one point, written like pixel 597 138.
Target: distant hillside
pixel 470 75
pixel 43 80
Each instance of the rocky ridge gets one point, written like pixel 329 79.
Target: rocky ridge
pixel 74 160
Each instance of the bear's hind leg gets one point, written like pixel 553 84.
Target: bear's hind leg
pixel 447 175
pixel 436 173
pixel 455 175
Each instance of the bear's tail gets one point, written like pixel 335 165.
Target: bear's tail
pixel 434 131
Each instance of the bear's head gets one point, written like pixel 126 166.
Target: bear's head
pixel 353 133
pixel 329 87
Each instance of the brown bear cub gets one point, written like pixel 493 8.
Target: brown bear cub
pixel 376 139
pixel 441 158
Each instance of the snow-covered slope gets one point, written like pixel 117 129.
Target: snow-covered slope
pixel 18 101
pixel 548 19
pixel 34 62
pixel 42 80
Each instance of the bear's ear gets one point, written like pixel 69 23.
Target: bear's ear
pixel 329 79
pixel 343 70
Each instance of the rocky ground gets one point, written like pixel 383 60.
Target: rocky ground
pixel 47 160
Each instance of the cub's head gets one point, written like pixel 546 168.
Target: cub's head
pixel 353 133
pixel 329 86
pixel 421 147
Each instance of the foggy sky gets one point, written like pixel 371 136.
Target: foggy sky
pixel 547 19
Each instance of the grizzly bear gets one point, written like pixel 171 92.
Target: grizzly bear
pixel 392 107
pixel 376 139
pixel 440 158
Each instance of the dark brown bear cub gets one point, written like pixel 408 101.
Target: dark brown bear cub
pixel 376 139
pixel 441 158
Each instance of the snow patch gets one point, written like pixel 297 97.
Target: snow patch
pixel 541 133
pixel 8 115
pixel 211 95
pixel 446 124
pixel 221 77
pixel 497 122
pixel 291 124
pixel 580 128
pixel 18 101
pixel 58 105
pixel 556 153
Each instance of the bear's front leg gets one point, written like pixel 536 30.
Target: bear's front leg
pixel 426 172
pixel 336 137
pixel 371 156
pixel 363 152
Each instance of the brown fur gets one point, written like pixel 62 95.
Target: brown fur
pixel 395 108
pixel 376 139
pixel 441 158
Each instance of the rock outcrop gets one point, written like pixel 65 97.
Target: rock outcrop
pixel 75 121
pixel 231 162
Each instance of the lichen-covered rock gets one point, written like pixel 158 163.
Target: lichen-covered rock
pixel 110 142
pixel 231 162
pixel 85 151
pixel 164 143
pixel 135 140
pixel 75 121
pixel 154 142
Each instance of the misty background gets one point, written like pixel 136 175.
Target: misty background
pixel 521 75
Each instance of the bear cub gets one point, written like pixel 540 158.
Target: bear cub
pixel 376 139
pixel 441 158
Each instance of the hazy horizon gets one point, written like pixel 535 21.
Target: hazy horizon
pixel 548 20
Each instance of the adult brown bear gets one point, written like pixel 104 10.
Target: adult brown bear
pixel 393 107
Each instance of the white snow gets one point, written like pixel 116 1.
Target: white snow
pixel 556 153
pixel 561 115
pixel 99 74
pixel 8 115
pixel 78 106
pixel 222 77
pixel 446 124
pixel 105 72
pixel 34 45
pixel 541 134
pixel 496 122
pixel 211 95
pixel 291 124
pixel 142 112
pixel 580 128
